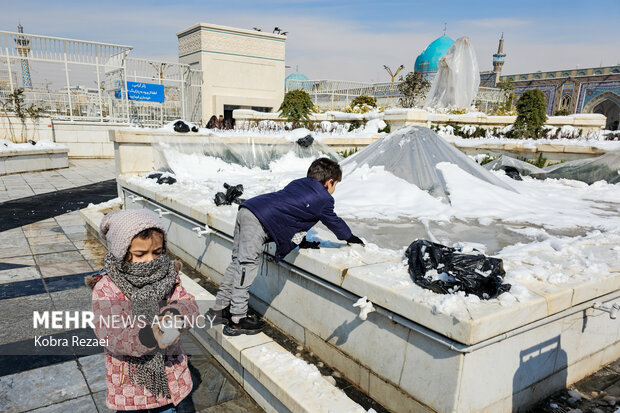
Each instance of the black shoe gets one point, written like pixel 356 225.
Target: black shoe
pixel 247 325
pixel 217 317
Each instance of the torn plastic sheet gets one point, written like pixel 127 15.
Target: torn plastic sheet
pixel 412 153
pixel 602 168
pixel 458 78
pixel 247 151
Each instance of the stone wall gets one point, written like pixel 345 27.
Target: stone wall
pixel 587 122
pixel 84 139
pixel 242 68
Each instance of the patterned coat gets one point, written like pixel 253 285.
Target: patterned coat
pixel 122 394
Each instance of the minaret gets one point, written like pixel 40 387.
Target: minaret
pixel 22 44
pixel 498 59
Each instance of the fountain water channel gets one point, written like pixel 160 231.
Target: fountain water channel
pixel 419 351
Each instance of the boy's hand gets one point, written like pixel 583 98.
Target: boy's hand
pixel 355 240
pixel 309 244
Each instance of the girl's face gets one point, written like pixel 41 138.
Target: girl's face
pixel 144 250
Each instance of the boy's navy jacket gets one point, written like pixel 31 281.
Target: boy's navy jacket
pixel 296 208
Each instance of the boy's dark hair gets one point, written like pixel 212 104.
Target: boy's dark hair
pixel 146 234
pixel 324 169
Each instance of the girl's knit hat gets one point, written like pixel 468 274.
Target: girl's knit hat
pixel 120 227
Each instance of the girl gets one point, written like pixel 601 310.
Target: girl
pixel 141 286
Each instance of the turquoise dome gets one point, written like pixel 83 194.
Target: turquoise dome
pixel 427 60
pixel 297 81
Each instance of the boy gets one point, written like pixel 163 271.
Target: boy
pixel 284 217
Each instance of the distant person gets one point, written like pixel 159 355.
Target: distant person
pixel 284 217
pixel 212 122
pixel 228 124
pixel 220 122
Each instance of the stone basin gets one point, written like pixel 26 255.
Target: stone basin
pixel 410 354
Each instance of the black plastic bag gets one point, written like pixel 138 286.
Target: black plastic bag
pixel 512 173
pixel 305 244
pixel 232 195
pixel 161 179
pixel 166 180
pixel 180 126
pixel 305 141
pixel 446 270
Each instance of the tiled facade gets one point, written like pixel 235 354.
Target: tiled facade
pixel 593 90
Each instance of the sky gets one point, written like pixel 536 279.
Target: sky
pixel 348 40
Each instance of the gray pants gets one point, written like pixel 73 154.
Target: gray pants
pixel 240 274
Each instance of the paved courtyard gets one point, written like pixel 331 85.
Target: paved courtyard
pixel 42 267
pixel 80 172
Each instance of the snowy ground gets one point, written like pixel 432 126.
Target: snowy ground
pixel 566 135
pixel 551 231
pixel 284 129
pixel 6 145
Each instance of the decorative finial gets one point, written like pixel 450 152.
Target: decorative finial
pixel 445 27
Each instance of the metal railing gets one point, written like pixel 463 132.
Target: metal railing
pixel 89 81
pixel 338 94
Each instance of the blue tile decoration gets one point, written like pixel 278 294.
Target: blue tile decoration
pixel 591 90
pixel 548 90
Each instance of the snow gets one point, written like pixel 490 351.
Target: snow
pixel 595 140
pixel 365 307
pixel 296 134
pixel 170 334
pixel 298 375
pixel 276 130
pixel 373 193
pixel 563 259
pixel 570 230
pixel 6 145
pixel 374 125
pixel 345 116
pixel 113 203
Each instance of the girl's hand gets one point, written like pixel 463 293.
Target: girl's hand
pixel 159 334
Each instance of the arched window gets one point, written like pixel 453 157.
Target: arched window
pixel 565 102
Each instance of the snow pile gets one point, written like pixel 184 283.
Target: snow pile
pixel 374 125
pixel 114 203
pixel 559 260
pixel 371 192
pixel 595 139
pixel 6 145
pixel 304 381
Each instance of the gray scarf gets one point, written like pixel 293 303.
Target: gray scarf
pixel 146 285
